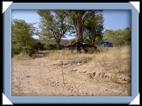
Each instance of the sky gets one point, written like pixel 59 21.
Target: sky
pixel 113 19
pixel 116 19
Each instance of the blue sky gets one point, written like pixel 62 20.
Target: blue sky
pixel 113 19
pixel 116 19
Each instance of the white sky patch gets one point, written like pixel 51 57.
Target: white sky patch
pixel 35 37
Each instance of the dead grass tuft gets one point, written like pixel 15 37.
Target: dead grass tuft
pixel 22 57
pixel 66 55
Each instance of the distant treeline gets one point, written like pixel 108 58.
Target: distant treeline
pixel 118 37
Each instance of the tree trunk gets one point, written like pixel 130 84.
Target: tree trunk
pixel 94 40
pixel 58 44
pixel 80 34
pixel 79 29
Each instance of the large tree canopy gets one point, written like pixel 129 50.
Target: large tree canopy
pixel 53 24
pixel 93 27
pixel 77 18
pixel 87 22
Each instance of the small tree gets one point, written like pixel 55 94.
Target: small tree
pixel 22 41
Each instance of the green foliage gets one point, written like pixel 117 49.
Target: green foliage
pixel 48 46
pixel 77 18
pixel 22 41
pixel 99 38
pixel 118 37
pixel 87 24
pixel 38 45
pixel 94 28
pixel 53 24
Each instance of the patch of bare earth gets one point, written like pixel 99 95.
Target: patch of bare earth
pixel 61 73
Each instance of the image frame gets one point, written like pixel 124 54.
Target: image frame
pixel 71 99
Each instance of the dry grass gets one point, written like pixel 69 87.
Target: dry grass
pixel 106 74
pixel 66 55
pixel 22 57
pixel 115 62
pixel 113 54
pixel 112 63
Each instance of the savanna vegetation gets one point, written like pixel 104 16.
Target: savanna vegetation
pixel 52 69
pixel 86 25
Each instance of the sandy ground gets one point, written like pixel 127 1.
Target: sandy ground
pixel 82 76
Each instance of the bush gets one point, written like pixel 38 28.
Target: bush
pixel 22 41
pixel 38 45
pixel 50 46
pixel 15 50
pixel 118 37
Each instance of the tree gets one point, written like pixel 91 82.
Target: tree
pixel 94 27
pixel 118 37
pixel 53 24
pixel 87 21
pixel 77 18
pixel 22 41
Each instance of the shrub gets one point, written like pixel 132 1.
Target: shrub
pixel 50 46
pixel 22 41
pixel 118 37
